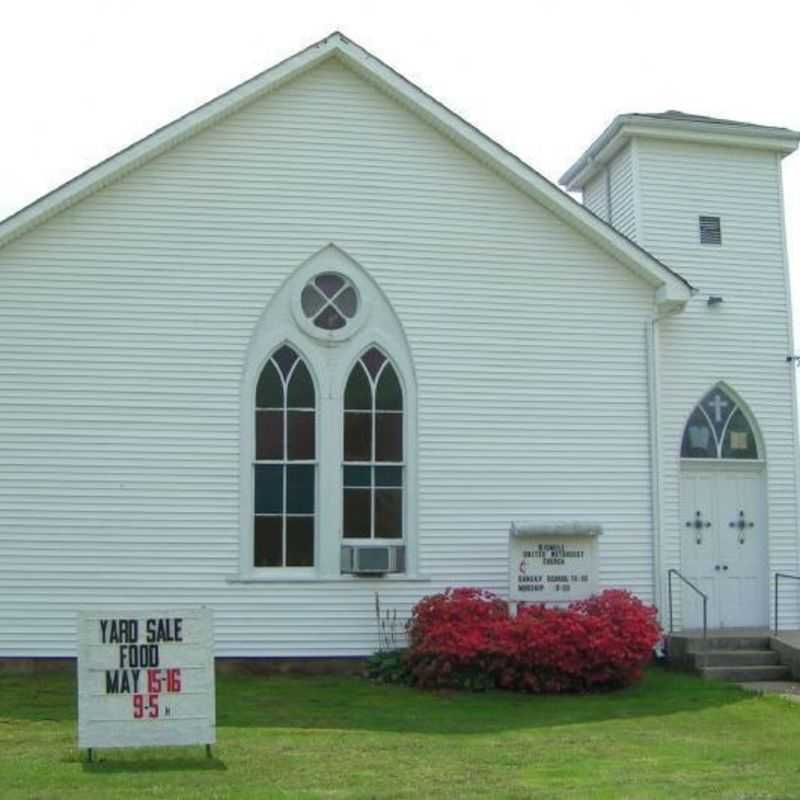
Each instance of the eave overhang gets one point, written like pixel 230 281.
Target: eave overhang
pixel 627 126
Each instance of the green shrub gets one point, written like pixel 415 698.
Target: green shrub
pixel 388 666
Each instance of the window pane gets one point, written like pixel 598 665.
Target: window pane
pixel 698 438
pixel 301 388
pixel 329 283
pixel 373 359
pixel 357 436
pixel 268 542
pixel 389 437
pixel 389 476
pixel 269 435
pixel 358 393
pixel 388 513
pixel 269 393
pixel 389 395
pixel 357 503
pixel 311 301
pixel 739 439
pixel 300 541
pixel 300 489
pixel 357 476
pixel 347 302
pixel 269 489
pixel 300 433
pixel 284 357
pixel 329 319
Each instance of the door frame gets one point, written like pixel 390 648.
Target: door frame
pixel 755 467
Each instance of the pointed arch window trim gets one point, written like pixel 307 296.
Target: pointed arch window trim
pixel 329 359
pixel 722 397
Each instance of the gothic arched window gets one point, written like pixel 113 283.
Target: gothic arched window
pixel 373 450
pixel 718 428
pixel 328 458
pixel 285 463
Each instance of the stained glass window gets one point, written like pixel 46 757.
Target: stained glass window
pixel 285 464
pixel 373 450
pixel 718 428
pixel 739 441
pixel 329 300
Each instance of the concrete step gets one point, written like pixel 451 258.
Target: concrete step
pixel 737 658
pixel 747 674
pixel 695 645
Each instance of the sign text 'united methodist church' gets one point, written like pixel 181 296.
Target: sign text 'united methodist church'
pixel 553 563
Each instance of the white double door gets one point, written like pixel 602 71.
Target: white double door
pixel 724 547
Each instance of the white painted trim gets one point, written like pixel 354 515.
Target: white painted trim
pixel 726 464
pixel 371 582
pixel 652 344
pixel 329 363
pixel 638 221
pixel 627 126
pixel 672 287
pixel 787 279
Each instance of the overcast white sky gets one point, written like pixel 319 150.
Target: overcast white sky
pixel 79 80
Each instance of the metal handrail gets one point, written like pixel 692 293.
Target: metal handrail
pixel 777 576
pixel 670 573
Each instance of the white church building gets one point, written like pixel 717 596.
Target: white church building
pixel 322 338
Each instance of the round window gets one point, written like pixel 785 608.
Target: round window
pixel 329 300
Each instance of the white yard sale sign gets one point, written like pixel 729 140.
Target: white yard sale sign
pixel 145 678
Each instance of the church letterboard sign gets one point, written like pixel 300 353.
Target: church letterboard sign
pixel 145 678
pixel 553 563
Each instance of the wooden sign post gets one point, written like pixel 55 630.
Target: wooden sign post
pixel 146 678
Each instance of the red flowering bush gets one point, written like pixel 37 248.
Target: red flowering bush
pixel 450 636
pixel 466 638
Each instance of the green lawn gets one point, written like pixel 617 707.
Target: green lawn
pixel 673 736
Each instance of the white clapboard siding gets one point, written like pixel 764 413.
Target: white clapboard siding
pixel 124 327
pixel 743 341
pixel 622 192
pixel 595 195
pixel 611 193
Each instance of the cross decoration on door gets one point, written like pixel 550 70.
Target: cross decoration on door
pixel 698 524
pixel 741 524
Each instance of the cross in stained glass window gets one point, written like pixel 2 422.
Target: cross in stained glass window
pixel 718 404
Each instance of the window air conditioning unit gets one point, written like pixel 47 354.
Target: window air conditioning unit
pixel 373 559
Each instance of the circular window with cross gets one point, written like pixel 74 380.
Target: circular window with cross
pixel 329 301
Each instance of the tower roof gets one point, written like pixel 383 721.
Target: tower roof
pixel 677 126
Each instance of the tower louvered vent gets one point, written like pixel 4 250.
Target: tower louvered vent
pixel 710 230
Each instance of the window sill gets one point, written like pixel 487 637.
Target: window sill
pixel 286 579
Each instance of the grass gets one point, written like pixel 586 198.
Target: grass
pixel 672 736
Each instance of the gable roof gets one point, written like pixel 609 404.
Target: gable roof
pixel 676 126
pixel 672 289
